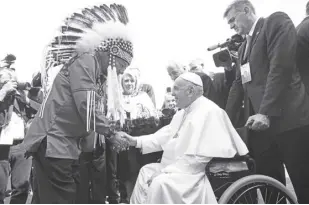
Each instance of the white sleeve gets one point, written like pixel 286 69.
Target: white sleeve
pixel 189 164
pixel 153 143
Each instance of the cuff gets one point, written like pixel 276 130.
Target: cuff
pixel 138 143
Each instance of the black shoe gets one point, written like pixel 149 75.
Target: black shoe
pixel 8 193
pixel 124 201
pixel 112 201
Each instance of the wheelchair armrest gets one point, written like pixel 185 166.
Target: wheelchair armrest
pixel 237 163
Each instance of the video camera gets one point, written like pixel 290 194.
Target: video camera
pixel 224 58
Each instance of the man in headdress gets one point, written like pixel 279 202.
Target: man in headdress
pixel 196 134
pixel 97 47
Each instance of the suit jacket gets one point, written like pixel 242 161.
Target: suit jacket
pixel 303 51
pixel 276 89
pixel 208 87
pixel 222 83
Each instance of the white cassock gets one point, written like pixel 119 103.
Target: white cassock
pixel 194 136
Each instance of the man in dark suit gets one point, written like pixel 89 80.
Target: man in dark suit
pixel 276 104
pixel 197 67
pixel 303 49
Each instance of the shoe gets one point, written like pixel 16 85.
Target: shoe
pixel 8 193
pixel 124 201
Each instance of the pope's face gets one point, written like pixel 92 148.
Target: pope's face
pixel 128 84
pixel 181 93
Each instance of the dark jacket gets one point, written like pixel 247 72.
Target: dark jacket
pixel 13 103
pixel 276 89
pixel 64 110
pixel 208 87
pixel 222 83
pixel 303 51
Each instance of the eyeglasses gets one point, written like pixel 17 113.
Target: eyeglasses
pixel 232 20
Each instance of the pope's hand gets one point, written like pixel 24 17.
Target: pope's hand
pixel 131 140
pixel 258 122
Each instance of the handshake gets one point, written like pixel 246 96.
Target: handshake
pixel 121 141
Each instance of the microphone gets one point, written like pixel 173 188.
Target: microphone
pixel 234 39
pixel 219 45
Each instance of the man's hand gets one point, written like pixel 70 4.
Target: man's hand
pixel 258 122
pixel 131 140
pixel 152 177
pixel 9 86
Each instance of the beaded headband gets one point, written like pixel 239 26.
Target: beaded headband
pixel 118 47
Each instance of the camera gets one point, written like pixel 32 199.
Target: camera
pixel 23 86
pixel 226 57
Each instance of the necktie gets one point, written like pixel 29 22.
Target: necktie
pixel 248 45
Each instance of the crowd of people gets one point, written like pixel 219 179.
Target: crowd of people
pixel 86 130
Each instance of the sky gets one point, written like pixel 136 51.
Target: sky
pixel 163 30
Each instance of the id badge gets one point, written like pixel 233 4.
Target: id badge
pixel 245 73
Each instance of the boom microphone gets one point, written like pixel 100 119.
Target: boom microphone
pixel 234 39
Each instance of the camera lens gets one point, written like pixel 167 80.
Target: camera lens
pixel 224 57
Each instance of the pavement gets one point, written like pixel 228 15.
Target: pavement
pixel 289 186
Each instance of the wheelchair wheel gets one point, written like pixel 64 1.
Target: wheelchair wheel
pixel 257 189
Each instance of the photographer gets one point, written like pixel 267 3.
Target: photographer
pixel 222 82
pixel 8 62
pixel 13 103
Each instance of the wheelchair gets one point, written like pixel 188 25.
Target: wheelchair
pixel 234 182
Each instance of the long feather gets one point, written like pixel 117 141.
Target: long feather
pixel 101 13
pixel 106 9
pixel 65 29
pixel 61 48
pixel 119 13
pixel 82 18
pixel 94 17
pixel 97 12
pixel 124 13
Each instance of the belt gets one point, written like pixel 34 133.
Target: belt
pixel 16 142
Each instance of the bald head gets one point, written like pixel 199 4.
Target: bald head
pixel 175 70
pixel 196 65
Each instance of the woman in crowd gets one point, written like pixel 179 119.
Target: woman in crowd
pixel 138 105
pixel 168 109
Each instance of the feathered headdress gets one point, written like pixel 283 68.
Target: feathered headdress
pixel 98 28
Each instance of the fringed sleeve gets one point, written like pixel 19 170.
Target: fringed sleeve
pixel 89 104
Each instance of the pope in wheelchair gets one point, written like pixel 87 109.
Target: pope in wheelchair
pixel 198 133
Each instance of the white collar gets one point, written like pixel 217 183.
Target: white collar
pixel 253 27
pixel 193 105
